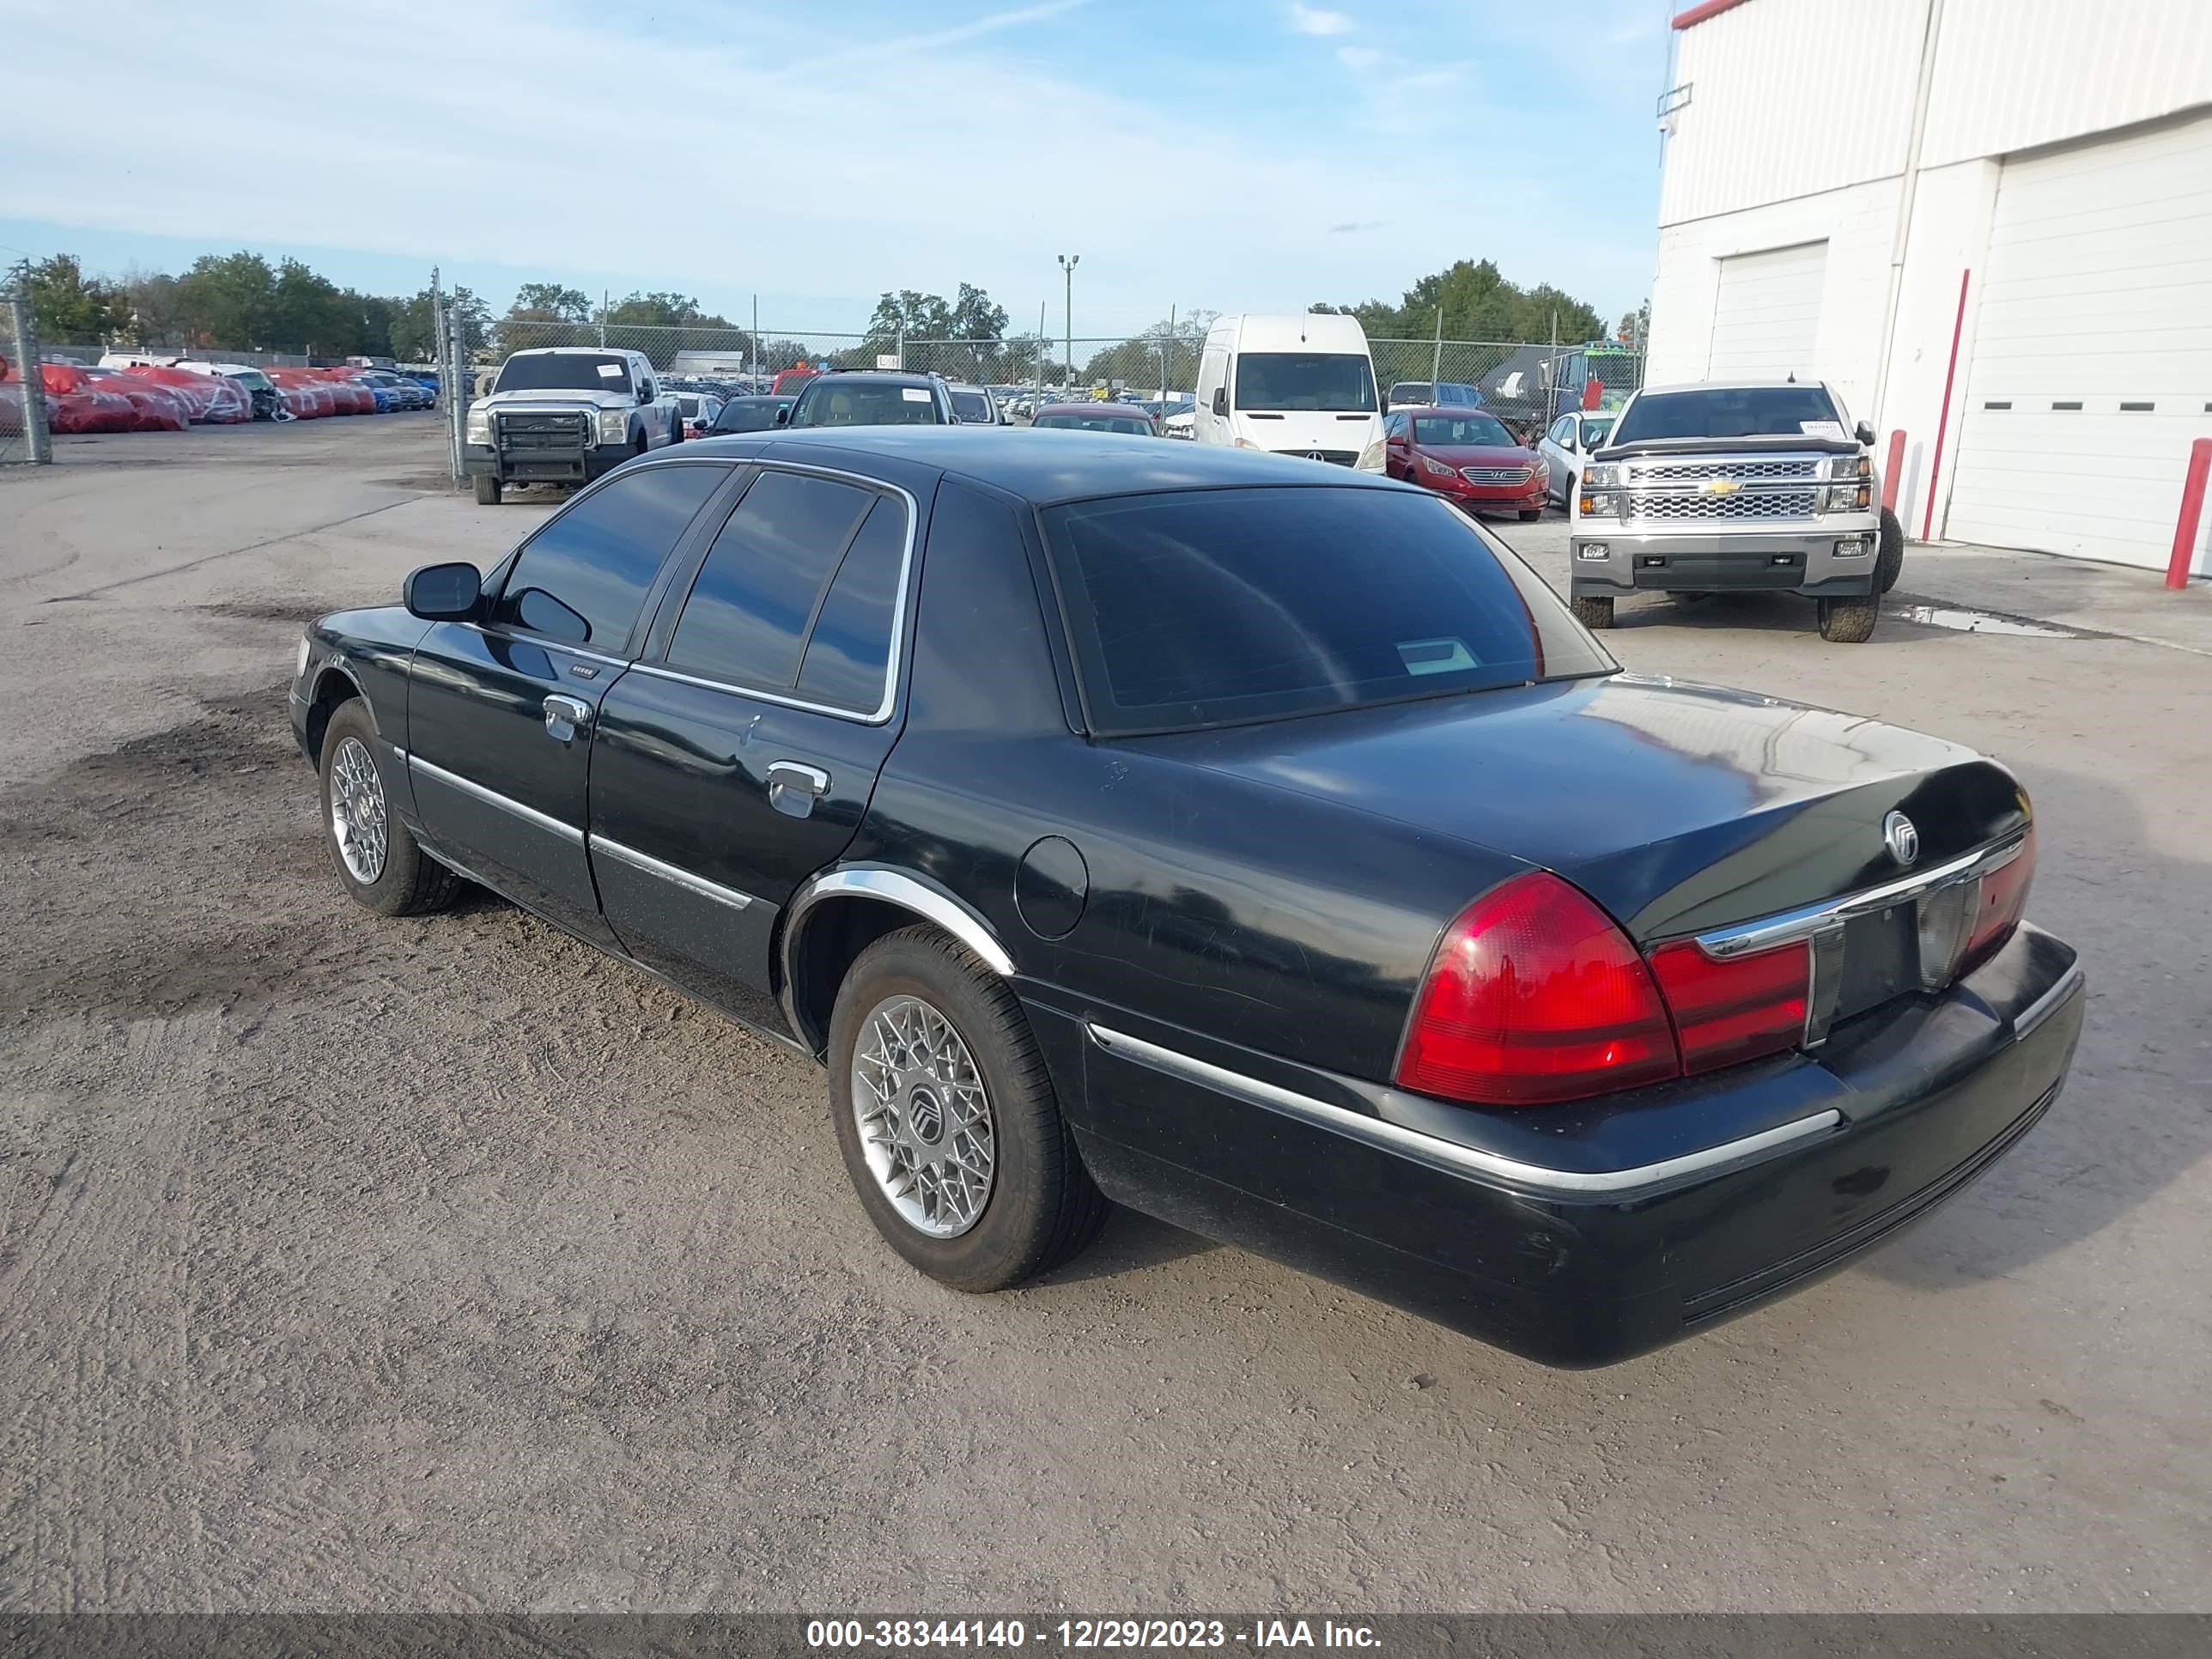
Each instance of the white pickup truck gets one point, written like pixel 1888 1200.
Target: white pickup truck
pixel 565 415
pixel 1733 486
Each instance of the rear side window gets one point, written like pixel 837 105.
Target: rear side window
pixel 1215 607
pixel 848 654
pixel 766 580
pixel 583 578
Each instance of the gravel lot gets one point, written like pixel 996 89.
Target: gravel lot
pixel 442 1263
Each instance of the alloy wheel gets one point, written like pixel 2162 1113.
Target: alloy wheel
pixel 924 1118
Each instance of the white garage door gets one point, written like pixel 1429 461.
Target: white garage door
pixel 2093 350
pixel 1768 312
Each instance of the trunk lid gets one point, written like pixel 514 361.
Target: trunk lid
pixel 1680 808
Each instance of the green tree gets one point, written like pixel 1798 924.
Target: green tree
pixel 414 335
pixel 66 305
pixel 551 302
pixel 226 299
pixel 1474 301
pixel 150 299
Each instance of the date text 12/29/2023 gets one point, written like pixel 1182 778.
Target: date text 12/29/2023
pixel 1254 1636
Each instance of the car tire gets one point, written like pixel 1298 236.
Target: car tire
pixel 1592 614
pixel 1038 1205
pixel 1848 621
pixel 376 858
pixel 1889 561
pixel 642 444
pixel 1529 515
pixel 487 491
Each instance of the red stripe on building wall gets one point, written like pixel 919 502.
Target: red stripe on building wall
pixel 1698 14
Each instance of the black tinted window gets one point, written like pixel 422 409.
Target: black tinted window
pixel 748 415
pixel 583 578
pixel 1755 411
pixel 1304 379
pixel 1210 607
pixel 748 612
pixel 973 406
pixel 850 648
pixel 570 371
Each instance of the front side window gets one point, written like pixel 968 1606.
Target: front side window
pixel 565 371
pixel 1461 431
pixel 1201 608
pixel 583 578
pixel 757 597
pixel 1731 411
pixel 1334 380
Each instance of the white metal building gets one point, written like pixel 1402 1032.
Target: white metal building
pixel 2012 198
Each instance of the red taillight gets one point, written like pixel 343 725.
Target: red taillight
pixel 1737 1010
pixel 1534 997
pixel 1997 909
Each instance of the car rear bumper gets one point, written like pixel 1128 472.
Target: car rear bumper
pixel 1795 561
pixel 1583 1235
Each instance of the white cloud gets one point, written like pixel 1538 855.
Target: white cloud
pixel 1313 20
pixel 708 168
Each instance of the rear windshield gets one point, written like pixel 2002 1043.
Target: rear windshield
pixel 1413 392
pixel 744 415
pixel 1735 411
pixel 1097 423
pixel 1217 607
pixel 565 371
pixel 1304 379
pixel 975 406
pixel 1446 431
pixel 860 402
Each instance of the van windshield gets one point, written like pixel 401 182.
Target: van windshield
pixel 1337 380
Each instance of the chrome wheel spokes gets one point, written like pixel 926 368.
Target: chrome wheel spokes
pixel 357 820
pixel 925 1119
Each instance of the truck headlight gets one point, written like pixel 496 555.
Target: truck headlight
pixel 1371 458
pixel 479 427
pixel 1603 474
pixel 614 426
pixel 1847 498
pixel 1599 503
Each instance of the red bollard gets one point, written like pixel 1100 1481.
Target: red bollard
pixel 2192 510
pixel 1893 471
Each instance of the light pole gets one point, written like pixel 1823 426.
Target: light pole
pixel 1067 264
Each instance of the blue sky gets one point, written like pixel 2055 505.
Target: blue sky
pixel 1238 155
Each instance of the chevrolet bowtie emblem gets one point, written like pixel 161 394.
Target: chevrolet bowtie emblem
pixel 1719 487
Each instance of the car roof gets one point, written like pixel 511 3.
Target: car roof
pixel 573 351
pixel 1089 408
pixel 876 376
pixel 1738 383
pixel 1069 465
pixel 1443 409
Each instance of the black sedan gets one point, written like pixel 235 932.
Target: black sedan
pixel 1254 843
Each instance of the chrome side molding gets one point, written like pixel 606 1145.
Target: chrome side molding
pixel 1451 1155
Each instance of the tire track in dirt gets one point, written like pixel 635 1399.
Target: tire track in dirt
pixel 104 1397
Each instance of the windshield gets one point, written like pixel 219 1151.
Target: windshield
pixel 1731 411
pixel 1213 607
pixel 565 371
pixel 859 403
pixel 1413 392
pixel 1594 432
pixel 975 406
pixel 1445 431
pixel 747 415
pixel 1097 423
pixel 1304 379
pixel 251 378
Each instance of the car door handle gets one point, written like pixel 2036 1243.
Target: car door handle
pixel 794 787
pixel 565 717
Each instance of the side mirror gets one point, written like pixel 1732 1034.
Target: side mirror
pixel 783 417
pixel 1865 433
pixel 645 394
pixel 1221 400
pixel 443 593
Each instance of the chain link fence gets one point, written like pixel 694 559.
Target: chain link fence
pixel 24 440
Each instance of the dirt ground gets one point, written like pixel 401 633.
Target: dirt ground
pixel 443 1264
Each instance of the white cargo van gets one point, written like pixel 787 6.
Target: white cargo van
pixel 1294 385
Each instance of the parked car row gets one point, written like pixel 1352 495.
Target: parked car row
pixel 128 392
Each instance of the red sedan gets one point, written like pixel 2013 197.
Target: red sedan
pixel 1468 456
